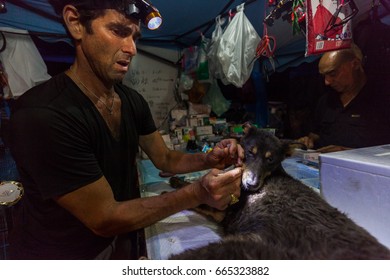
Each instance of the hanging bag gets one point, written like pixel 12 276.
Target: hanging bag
pixel 214 65
pixel 329 25
pixel 237 48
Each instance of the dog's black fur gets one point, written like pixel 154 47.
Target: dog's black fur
pixel 278 217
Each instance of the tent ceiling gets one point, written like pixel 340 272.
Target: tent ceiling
pixel 183 21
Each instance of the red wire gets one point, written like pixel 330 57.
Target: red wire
pixel 263 48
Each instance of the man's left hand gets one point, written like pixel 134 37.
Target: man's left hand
pixel 225 153
pixel 332 148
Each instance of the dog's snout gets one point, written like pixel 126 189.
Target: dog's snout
pixel 249 179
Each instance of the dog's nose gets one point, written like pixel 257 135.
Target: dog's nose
pixel 249 179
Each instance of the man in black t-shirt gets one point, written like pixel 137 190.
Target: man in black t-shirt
pixel 75 139
pixel 354 113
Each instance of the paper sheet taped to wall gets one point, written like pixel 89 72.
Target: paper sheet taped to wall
pixel 155 81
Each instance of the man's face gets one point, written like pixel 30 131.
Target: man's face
pixel 337 75
pixel 111 46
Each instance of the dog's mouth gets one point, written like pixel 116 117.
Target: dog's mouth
pixel 251 182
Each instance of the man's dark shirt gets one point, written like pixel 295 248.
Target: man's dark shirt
pixel 61 143
pixel 364 122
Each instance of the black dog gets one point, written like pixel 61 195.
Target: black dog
pixel 278 217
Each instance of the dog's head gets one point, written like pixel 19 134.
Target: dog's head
pixel 264 153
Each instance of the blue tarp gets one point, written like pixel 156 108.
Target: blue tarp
pixel 183 23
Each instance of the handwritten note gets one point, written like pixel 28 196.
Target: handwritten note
pixel 155 81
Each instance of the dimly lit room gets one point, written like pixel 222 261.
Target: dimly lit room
pixel 216 130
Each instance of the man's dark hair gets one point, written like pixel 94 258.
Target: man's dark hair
pixel 58 5
pixel 88 9
pixel 141 10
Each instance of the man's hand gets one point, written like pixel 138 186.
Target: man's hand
pixel 216 187
pixel 225 153
pixel 332 148
pixel 309 140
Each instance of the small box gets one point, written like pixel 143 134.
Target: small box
pixel 221 127
pixel 193 122
pixel 204 130
pixel 357 182
pixel 186 130
pixel 179 133
pixel 204 137
pixel 178 114
pixel 311 158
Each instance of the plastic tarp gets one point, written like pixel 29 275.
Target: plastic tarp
pixel 183 22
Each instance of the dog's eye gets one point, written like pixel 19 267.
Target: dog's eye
pixel 252 152
pixel 268 156
pixel 249 154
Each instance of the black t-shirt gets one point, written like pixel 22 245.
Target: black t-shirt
pixel 364 122
pixel 60 142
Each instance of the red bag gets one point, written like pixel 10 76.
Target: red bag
pixel 328 25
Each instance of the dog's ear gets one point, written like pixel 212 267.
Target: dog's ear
pixel 248 128
pixel 289 146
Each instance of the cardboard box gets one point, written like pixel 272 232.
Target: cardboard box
pixel 204 137
pixel 178 114
pixel 204 130
pixel 193 122
pixel 357 182
pixel 198 120
pixel 179 133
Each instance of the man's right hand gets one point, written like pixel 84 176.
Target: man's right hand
pixel 332 148
pixel 307 141
pixel 217 187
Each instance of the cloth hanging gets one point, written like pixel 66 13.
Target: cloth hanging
pixel 22 62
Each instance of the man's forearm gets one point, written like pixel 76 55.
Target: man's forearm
pixel 139 213
pixel 179 162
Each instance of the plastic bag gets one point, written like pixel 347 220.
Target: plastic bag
pixel 237 48
pixel 190 61
pixel 202 72
pixel 215 98
pixel 328 26
pixel 215 67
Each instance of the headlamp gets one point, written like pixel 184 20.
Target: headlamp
pixel 3 7
pixel 145 12
pixel 142 10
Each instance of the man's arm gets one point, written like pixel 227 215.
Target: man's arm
pixel 332 148
pixel 94 204
pixel 312 138
pixel 224 153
